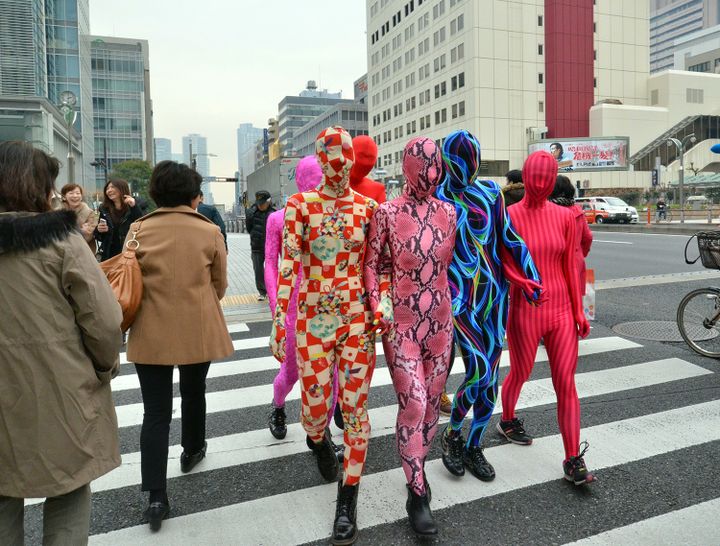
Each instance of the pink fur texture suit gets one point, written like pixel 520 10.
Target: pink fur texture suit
pixel 420 233
pixel 308 176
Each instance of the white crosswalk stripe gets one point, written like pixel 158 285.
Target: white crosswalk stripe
pixel 383 492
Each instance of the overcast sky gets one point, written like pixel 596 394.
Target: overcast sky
pixel 217 63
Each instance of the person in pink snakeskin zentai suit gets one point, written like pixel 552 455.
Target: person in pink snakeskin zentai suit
pixel 308 176
pixel 419 230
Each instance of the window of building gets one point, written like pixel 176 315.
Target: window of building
pixel 541 106
pixel 540 49
pixel 439 9
pixel 541 78
pixel 694 96
pixel 409 56
pixel 540 20
pixel 453 111
pixel 437 117
pixel 409 32
pixel 423 21
pixel 461 108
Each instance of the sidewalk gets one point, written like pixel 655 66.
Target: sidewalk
pixel 240 302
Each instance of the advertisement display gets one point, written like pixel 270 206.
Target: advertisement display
pixel 586 154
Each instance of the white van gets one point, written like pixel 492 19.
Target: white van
pixel 617 210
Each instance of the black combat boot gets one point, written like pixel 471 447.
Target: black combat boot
pixel 345 529
pixel 421 518
pixel 276 422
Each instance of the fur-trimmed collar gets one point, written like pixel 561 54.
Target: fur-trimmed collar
pixel 25 232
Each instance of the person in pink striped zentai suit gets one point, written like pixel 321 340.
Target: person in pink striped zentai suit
pixel 550 234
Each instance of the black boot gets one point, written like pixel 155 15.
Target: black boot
pixel 421 518
pixel 158 509
pixel 276 422
pixel 345 529
pixel 453 447
pixel 188 461
pixel 326 458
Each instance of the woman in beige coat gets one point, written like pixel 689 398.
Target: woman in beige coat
pixel 59 344
pixel 180 322
pixel 73 199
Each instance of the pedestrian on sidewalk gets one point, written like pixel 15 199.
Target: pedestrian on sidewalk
pixel 549 232
pixel 308 176
pixel 73 199
pixel 59 344
pixel 212 214
pixel 256 220
pixel 180 322
pixel 564 195
pixel 117 212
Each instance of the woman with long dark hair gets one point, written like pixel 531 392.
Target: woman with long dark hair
pixel 117 212
pixel 59 344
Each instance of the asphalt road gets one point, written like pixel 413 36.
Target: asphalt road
pixel 650 411
pixel 621 255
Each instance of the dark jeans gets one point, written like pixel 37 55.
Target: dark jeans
pixel 258 259
pixel 157 392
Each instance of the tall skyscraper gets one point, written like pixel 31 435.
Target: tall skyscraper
pixel 673 19
pixel 163 150
pixel 45 50
pixel 67 27
pixel 121 100
pixel 199 150
pixel 247 137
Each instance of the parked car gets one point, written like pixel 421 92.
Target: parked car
pixel 609 209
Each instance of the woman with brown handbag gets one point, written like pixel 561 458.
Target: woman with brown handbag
pixel 59 343
pixel 180 322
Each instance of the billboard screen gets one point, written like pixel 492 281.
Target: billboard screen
pixel 587 154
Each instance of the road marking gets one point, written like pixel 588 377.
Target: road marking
pixel 258 445
pixel 249 365
pixel 692 526
pixel 612 242
pixel 238 327
pixel 381 498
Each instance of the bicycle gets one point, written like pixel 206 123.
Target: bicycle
pixel 667 216
pixel 698 315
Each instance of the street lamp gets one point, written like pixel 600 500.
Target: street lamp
pixel 681 146
pixel 104 161
pixel 68 100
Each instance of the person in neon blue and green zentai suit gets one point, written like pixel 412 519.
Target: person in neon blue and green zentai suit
pixel 488 253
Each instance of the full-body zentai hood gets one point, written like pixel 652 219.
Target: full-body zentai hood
pixel 461 153
pixel 539 174
pixel 334 151
pixel 366 153
pixel 308 174
pixel 422 168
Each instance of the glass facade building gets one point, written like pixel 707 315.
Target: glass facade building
pixel 23 63
pixel 122 112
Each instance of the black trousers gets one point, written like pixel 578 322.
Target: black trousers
pixel 258 259
pixel 156 386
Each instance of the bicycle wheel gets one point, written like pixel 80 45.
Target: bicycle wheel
pixel 669 217
pixel 698 319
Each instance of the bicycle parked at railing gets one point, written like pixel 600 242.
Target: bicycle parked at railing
pixel 663 216
pixel 698 315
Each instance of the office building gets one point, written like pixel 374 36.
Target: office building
pixel 247 137
pixel 671 20
pixel 197 145
pixel 45 50
pixel 510 72
pixel 296 111
pixel 122 107
pixel 163 150
pixel 699 51
pixel 351 115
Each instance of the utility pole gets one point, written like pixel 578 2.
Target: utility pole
pixel 681 147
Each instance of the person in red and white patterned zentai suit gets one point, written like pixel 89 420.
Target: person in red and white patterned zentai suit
pixel 325 232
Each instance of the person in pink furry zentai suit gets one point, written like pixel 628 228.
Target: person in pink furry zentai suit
pixel 308 176
pixel 419 230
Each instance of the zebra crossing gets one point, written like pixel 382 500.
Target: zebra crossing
pixel 253 489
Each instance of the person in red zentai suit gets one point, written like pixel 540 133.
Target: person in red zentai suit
pixel 550 234
pixel 366 153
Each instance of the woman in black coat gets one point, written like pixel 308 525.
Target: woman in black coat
pixel 117 212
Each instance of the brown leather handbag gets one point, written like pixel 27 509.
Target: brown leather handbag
pixel 125 277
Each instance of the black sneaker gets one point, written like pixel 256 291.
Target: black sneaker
pixel 276 422
pixel 514 432
pixel 477 464
pixel 452 452
pixel 326 458
pixel 575 469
